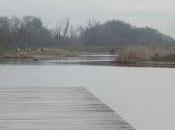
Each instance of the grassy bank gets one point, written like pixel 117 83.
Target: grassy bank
pixel 35 53
pixel 146 56
pixel 67 51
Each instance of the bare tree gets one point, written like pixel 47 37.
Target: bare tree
pixel 66 27
pixel 29 32
pixel 61 29
pixel 73 33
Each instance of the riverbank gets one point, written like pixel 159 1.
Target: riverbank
pixel 35 54
pixel 141 56
pixel 63 56
pixel 146 64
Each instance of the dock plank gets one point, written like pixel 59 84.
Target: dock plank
pixel 56 109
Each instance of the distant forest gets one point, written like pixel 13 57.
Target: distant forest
pixel 29 32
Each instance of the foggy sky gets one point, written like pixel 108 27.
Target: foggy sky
pixel 158 14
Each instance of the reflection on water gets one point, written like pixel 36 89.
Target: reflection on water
pixel 82 59
pixel 143 96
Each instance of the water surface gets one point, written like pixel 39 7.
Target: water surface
pixel 145 97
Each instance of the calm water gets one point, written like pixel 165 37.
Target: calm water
pixel 143 96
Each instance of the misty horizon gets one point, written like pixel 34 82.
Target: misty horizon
pixel 51 25
pixel 155 14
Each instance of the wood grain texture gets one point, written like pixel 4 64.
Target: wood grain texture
pixel 56 109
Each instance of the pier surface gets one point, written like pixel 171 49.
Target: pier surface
pixel 56 109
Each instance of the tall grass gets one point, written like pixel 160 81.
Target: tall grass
pixel 141 54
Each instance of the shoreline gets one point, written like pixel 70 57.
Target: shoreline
pixel 113 63
pixel 150 64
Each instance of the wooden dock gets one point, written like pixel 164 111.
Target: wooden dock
pixel 56 109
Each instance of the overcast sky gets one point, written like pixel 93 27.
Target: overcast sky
pixel 158 14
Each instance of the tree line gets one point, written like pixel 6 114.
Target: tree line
pixel 29 32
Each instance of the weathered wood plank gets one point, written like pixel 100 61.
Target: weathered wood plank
pixel 56 109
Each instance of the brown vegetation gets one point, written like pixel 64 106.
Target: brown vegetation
pixel 141 54
pixel 36 53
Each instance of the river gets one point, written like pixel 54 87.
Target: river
pixel 145 97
